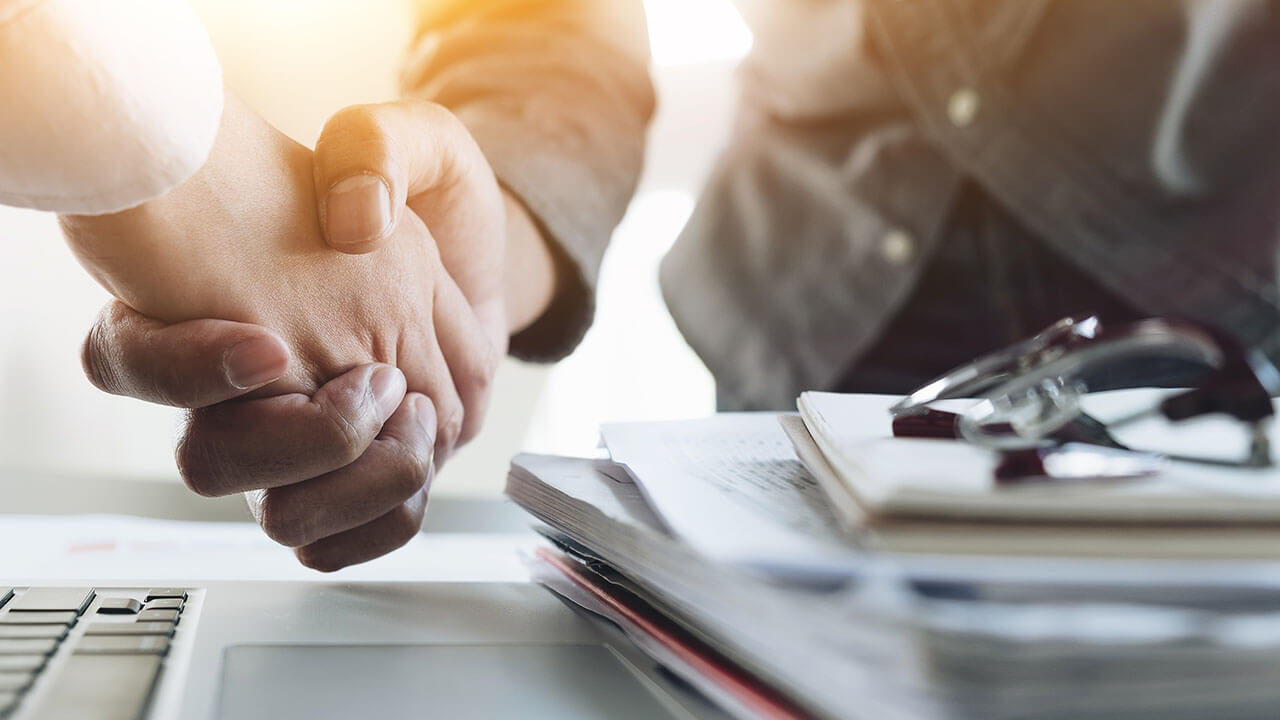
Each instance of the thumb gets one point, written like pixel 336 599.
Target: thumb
pixel 191 364
pixel 371 159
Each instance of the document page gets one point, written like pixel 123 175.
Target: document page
pixel 116 548
pixel 732 487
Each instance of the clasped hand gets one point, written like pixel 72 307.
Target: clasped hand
pixel 326 374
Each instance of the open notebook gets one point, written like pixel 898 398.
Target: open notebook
pixel 947 479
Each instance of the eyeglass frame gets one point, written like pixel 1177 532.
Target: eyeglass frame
pixel 1241 382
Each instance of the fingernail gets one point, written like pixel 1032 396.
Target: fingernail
pixel 388 388
pixel 358 209
pixel 426 412
pixel 255 362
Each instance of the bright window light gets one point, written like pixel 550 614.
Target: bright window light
pixel 694 31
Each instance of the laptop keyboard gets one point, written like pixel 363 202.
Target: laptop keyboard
pixel 84 653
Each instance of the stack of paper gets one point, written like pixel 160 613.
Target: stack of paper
pixel 780 635
pixel 710 546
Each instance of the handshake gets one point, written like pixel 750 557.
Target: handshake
pixel 331 320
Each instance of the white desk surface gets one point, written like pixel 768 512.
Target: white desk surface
pixel 116 547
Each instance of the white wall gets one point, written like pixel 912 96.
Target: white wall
pixel 296 61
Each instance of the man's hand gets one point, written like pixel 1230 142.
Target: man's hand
pixel 333 511
pixel 374 162
pixel 242 242
pixel 382 166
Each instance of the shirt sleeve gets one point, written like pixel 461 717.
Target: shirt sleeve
pixel 557 94
pixel 103 105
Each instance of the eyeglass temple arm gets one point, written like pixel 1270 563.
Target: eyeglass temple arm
pixel 1244 390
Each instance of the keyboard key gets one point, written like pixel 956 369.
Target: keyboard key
pixel 67 617
pixel 33 631
pixel 15 682
pixel 157 593
pixel 44 599
pixel 122 645
pixel 164 604
pixel 134 628
pixel 5 594
pixel 8 701
pixel 119 606
pixel 21 663
pixel 28 646
pixel 158 616
pixel 102 687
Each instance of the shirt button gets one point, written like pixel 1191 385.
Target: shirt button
pixel 963 106
pixel 898 247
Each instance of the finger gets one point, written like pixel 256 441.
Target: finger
pixel 371 159
pixel 469 350
pixel 368 541
pixel 430 370
pixel 397 465
pixel 190 364
pixel 263 443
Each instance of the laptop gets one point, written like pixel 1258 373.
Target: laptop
pixel 282 650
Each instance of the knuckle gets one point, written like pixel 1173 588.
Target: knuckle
pixel 344 435
pixel 361 125
pixel 169 384
pixel 195 464
pixel 493 356
pixel 471 422
pixel 352 118
pixel 317 559
pixel 403 524
pixel 410 471
pixel 480 373
pixel 279 522
pixel 428 109
pixel 94 360
pixel 475 386
pixel 475 396
pixel 449 427
pixel 443 118
pixel 449 128
pixel 445 123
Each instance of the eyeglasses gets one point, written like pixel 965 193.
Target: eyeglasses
pixel 1028 396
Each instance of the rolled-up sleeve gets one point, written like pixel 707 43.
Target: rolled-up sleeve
pixel 557 94
pixel 103 105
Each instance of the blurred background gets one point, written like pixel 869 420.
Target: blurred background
pixel 64 445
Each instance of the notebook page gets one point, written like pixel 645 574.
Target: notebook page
pixel 732 487
pixel 955 480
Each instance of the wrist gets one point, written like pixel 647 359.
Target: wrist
pixel 530 268
pixel 181 251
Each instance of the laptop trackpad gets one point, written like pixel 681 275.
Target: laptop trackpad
pixel 282 682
